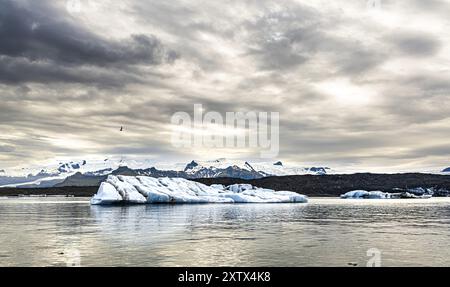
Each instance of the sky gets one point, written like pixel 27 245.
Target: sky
pixel 356 83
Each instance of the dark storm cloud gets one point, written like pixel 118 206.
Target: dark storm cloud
pixel 435 84
pixel 6 149
pixel 22 70
pixel 298 36
pixel 417 99
pixel 285 39
pixel 279 55
pixel 187 23
pixel 42 44
pixel 434 150
pixel 355 60
pixel 415 44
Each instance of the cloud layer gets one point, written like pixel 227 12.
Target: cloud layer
pixel 358 86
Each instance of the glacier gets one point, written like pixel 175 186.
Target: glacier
pixel 148 190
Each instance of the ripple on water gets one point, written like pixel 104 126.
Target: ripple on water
pixel 322 233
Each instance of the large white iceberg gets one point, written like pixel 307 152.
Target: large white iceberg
pixel 143 189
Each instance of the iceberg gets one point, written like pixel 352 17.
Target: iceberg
pixel 363 194
pixel 148 190
pixel 366 194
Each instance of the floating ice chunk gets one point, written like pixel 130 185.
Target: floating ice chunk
pixel 355 194
pixel 141 189
pixel 419 191
pixel 383 195
pixel 366 194
pixel 411 195
pixel 379 195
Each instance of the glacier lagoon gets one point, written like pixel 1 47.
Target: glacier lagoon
pixel 323 232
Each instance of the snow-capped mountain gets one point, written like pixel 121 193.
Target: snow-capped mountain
pixel 221 168
pixel 246 170
pixel 91 172
pixel 51 174
pixel 446 170
pixel 280 169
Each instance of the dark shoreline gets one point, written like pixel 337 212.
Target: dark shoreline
pixel 310 185
pixel 73 191
pixel 335 185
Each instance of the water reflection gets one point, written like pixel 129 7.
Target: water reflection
pixel 42 232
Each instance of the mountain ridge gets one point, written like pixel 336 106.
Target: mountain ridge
pixel 310 185
pixel 87 173
pixel 84 173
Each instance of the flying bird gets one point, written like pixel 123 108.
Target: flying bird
pixel 121 129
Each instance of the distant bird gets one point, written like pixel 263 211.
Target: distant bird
pixel 121 129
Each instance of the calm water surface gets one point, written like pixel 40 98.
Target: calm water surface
pixel 324 232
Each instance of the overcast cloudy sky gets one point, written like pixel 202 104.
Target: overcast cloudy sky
pixel 356 86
